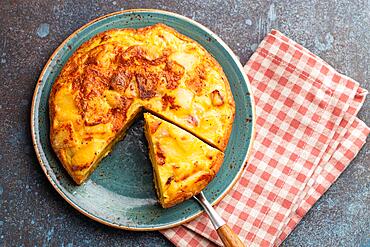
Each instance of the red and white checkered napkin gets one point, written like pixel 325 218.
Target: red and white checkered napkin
pixel 307 133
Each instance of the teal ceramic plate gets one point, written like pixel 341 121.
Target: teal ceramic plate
pixel 120 192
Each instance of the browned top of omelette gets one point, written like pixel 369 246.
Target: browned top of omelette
pixel 183 164
pixel 111 77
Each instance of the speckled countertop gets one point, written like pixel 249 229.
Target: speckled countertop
pixel 33 214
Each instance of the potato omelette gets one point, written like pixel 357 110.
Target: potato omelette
pixel 117 74
pixel 183 165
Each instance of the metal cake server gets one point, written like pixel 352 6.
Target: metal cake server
pixel 227 235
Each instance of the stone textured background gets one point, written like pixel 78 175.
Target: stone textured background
pixel 33 214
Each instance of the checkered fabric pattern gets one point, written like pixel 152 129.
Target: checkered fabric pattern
pixel 307 133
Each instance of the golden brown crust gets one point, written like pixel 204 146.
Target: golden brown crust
pixel 216 165
pixel 111 76
pixel 223 142
pixel 225 139
pixel 201 184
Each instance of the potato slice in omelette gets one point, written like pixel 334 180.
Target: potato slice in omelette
pixel 183 164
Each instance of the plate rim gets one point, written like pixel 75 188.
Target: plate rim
pixel 38 148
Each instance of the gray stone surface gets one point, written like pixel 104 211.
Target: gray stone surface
pixel 33 214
